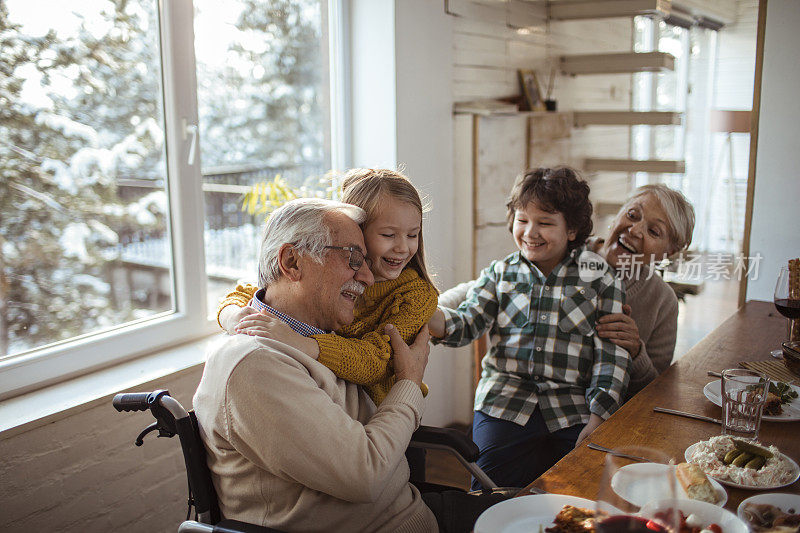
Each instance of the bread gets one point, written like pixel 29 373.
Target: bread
pixel 695 483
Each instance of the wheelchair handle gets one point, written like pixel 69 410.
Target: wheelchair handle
pixel 137 401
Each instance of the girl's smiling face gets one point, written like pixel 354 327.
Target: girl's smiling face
pixel 541 236
pixel 392 238
pixel 640 230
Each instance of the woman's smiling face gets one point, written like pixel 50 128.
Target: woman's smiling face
pixel 641 229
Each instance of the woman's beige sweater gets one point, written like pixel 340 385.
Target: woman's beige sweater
pixel 654 308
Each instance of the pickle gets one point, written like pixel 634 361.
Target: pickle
pixel 751 448
pixel 756 462
pixel 742 459
pixel 731 455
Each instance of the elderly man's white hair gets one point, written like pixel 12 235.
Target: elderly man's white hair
pixel 302 223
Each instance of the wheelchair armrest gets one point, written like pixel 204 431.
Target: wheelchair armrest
pixel 234 526
pixel 430 437
pixel 225 526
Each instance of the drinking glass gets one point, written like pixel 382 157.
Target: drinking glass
pixel 628 485
pixel 743 395
pixel 788 307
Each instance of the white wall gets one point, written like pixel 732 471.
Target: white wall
pixel 777 186
pixel 82 472
pixel 402 115
pixel 373 88
pixel 424 40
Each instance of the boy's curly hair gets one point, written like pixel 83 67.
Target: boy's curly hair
pixel 559 189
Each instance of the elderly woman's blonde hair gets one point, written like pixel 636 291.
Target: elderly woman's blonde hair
pixel 679 210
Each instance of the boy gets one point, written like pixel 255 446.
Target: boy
pixel 548 379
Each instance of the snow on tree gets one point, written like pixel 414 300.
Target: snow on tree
pixel 265 107
pixel 60 155
pixel 82 112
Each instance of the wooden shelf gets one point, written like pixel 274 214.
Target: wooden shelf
pixel 634 165
pixel 626 118
pixel 617 63
pixel 607 209
pixel 595 9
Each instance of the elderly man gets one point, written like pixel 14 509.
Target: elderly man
pixel 290 445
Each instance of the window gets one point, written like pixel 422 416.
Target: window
pixel 692 88
pixel 114 142
pixel 261 79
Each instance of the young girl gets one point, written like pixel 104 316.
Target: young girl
pixel 403 294
pixel 548 379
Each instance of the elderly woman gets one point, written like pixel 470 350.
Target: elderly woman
pixel 655 223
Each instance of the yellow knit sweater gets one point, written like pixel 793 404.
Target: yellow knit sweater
pixel 361 352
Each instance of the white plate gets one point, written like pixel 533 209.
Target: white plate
pixel 790 411
pixel 526 513
pixel 784 502
pixel 795 473
pixel 707 513
pixel 629 483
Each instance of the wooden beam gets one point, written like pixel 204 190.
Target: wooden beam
pixel 521 14
pixel 475 10
pixel 634 165
pixel 616 63
pixel 476 121
pixel 607 209
pixel 751 171
pixel 626 118
pixel 595 9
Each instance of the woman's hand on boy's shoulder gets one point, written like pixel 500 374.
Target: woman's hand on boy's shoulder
pixel 620 329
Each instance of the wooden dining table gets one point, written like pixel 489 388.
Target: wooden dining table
pixel 749 335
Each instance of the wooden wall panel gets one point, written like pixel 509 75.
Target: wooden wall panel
pixel 724 11
pixel 494 242
pixel 487 55
pixel 501 157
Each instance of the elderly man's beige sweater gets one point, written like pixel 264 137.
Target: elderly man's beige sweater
pixel 293 447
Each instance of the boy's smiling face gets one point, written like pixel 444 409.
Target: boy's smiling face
pixel 541 236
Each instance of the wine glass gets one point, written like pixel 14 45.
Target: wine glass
pixel 637 492
pixel 788 307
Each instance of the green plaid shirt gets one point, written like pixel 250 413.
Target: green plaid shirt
pixel 544 350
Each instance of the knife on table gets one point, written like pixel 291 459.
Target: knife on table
pixel 687 415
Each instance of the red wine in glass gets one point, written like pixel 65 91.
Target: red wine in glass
pixel 629 524
pixel 788 308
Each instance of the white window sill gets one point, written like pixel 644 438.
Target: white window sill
pixel 40 407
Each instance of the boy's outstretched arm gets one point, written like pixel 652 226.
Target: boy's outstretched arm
pixel 474 317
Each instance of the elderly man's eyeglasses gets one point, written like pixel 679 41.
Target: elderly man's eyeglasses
pixel 357 258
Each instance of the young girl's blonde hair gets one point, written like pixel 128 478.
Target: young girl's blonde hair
pixel 366 187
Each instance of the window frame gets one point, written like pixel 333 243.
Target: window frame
pixel 189 320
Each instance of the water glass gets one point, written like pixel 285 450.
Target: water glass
pixel 628 485
pixel 743 395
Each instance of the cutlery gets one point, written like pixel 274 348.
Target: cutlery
pixel 714 374
pixel 687 415
pixel 599 448
pixel 537 490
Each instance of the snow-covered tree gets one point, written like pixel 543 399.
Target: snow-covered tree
pixel 62 147
pixel 265 106
pixel 81 110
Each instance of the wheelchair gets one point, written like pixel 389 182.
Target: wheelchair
pixel 172 419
